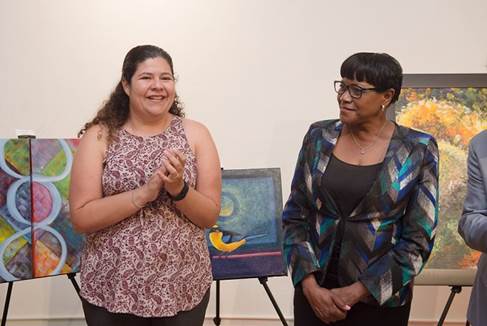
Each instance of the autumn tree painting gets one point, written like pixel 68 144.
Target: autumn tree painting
pixel 453 116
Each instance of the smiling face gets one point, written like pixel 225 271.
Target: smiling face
pixel 151 90
pixel 365 108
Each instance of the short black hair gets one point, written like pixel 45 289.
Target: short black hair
pixel 378 69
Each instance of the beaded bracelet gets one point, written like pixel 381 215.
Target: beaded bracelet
pixel 182 193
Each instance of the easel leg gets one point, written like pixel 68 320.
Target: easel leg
pixel 454 290
pixel 263 281
pixel 7 302
pixel 217 320
pixel 71 277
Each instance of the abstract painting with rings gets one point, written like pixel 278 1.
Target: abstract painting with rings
pixel 36 235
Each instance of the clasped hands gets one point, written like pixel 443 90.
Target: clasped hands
pixel 331 305
pixel 168 176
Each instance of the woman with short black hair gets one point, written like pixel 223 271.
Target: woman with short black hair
pixel 360 221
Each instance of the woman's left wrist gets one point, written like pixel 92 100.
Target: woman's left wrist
pixel 173 191
pixel 181 193
pixel 361 290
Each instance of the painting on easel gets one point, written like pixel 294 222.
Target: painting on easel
pixel 15 210
pixel 451 107
pixel 246 242
pixel 36 236
pixel 57 246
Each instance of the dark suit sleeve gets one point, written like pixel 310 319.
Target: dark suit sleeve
pixel 473 223
pixel 405 260
pixel 298 250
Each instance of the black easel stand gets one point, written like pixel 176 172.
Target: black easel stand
pixel 9 293
pixel 263 281
pixel 217 320
pixel 7 303
pixel 454 290
pixel 73 281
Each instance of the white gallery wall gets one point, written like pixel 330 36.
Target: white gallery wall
pixel 256 72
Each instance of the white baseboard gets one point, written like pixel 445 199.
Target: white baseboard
pixel 435 322
pixel 46 322
pixel 271 321
pixel 226 321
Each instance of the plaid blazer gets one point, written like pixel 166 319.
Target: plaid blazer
pixel 389 235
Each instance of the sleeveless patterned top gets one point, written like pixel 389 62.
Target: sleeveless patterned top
pixel 154 263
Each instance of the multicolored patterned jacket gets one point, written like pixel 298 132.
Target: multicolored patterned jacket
pixel 388 237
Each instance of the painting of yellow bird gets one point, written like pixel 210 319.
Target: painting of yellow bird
pixel 246 240
pixel 227 241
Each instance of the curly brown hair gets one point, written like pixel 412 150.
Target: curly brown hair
pixel 115 111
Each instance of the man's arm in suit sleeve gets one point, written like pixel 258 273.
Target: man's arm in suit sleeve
pixel 473 223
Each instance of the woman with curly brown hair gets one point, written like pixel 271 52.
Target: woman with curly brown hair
pixel 145 184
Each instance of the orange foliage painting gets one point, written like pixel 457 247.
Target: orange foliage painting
pixel 453 116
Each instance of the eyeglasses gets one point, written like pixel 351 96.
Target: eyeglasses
pixel 354 90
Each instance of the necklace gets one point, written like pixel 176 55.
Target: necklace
pixel 364 149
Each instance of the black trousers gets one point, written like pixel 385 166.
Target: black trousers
pixel 360 314
pixel 98 316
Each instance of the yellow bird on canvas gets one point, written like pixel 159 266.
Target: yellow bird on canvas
pixel 216 238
